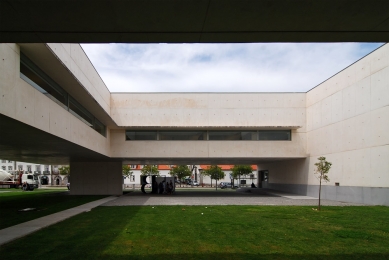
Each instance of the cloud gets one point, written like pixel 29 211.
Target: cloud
pixel 251 67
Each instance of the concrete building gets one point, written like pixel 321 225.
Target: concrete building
pixel 52 97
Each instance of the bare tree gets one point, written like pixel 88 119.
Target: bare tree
pixel 322 168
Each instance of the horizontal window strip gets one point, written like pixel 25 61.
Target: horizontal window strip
pixel 260 135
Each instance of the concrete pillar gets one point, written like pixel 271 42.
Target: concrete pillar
pixel 96 178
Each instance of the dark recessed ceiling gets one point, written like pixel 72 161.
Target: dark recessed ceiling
pixel 194 21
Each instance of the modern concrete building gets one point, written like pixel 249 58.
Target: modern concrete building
pixel 55 109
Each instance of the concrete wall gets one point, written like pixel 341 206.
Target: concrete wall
pixel 347 122
pixel 21 101
pixel 96 178
pixel 207 110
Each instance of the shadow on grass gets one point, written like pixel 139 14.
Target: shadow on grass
pixel 45 203
pixel 248 256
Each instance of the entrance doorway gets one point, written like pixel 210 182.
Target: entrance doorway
pixel 263 177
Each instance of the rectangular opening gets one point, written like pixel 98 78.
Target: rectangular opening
pixel 182 135
pixel 232 135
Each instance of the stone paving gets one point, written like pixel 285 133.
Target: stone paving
pixel 202 196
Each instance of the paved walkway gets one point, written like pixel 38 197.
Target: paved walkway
pixel 195 196
pixel 201 196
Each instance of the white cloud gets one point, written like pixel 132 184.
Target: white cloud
pixel 253 67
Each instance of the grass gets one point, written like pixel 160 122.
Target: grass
pixel 46 202
pixel 217 232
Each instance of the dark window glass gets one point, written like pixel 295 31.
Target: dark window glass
pixel 274 135
pixel 99 127
pixel 80 112
pixel 182 135
pixel 141 135
pixel 42 85
pixel 232 135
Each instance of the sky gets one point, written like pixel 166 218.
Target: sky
pixel 248 67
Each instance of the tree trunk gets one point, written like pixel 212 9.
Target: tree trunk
pixel 319 193
pixel 211 182
pixel 216 184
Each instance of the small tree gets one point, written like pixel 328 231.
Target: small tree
pixel 180 171
pixel 64 170
pixel 239 170
pixel 149 170
pixel 126 172
pixel 322 168
pixel 214 172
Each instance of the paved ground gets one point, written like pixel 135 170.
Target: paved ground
pixel 201 196
pixel 189 196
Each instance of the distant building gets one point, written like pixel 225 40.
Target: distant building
pixel 51 172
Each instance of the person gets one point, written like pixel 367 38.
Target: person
pixel 160 186
pixel 171 187
pixel 24 186
pixel 253 185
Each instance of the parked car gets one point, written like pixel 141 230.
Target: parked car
pixel 228 185
pixel 195 183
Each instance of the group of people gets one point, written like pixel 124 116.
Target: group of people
pixel 165 187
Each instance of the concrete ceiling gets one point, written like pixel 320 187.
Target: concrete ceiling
pixel 193 21
pixel 24 143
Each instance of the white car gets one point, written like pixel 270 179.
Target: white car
pixel 195 183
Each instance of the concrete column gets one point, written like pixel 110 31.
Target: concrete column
pixel 96 178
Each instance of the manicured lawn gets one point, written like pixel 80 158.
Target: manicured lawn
pixel 218 232
pixel 46 202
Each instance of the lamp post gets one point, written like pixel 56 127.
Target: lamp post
pixel 195 168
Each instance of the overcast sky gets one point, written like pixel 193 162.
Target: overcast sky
pixel 249 67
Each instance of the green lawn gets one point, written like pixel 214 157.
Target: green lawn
pixel 217 232
pixel 46 202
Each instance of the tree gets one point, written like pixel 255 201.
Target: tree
pixel 149 170
pixel 64 170
pixel 126 172
pixel 239 170
pixel 322 168
pixel 214 172
pixel 180 171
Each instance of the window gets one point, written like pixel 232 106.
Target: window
pixel 3 167
pixel 141 135
pixel 182 135
pixel 232 135
pixel 29 168
pixel 132 177
pixel 274 135
pixel 237 135
pixel 81 113
pixel 132 166
pixel 9 161
pixel 20 167
pixel 37 168
pixel 3 161
pixel 9 168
